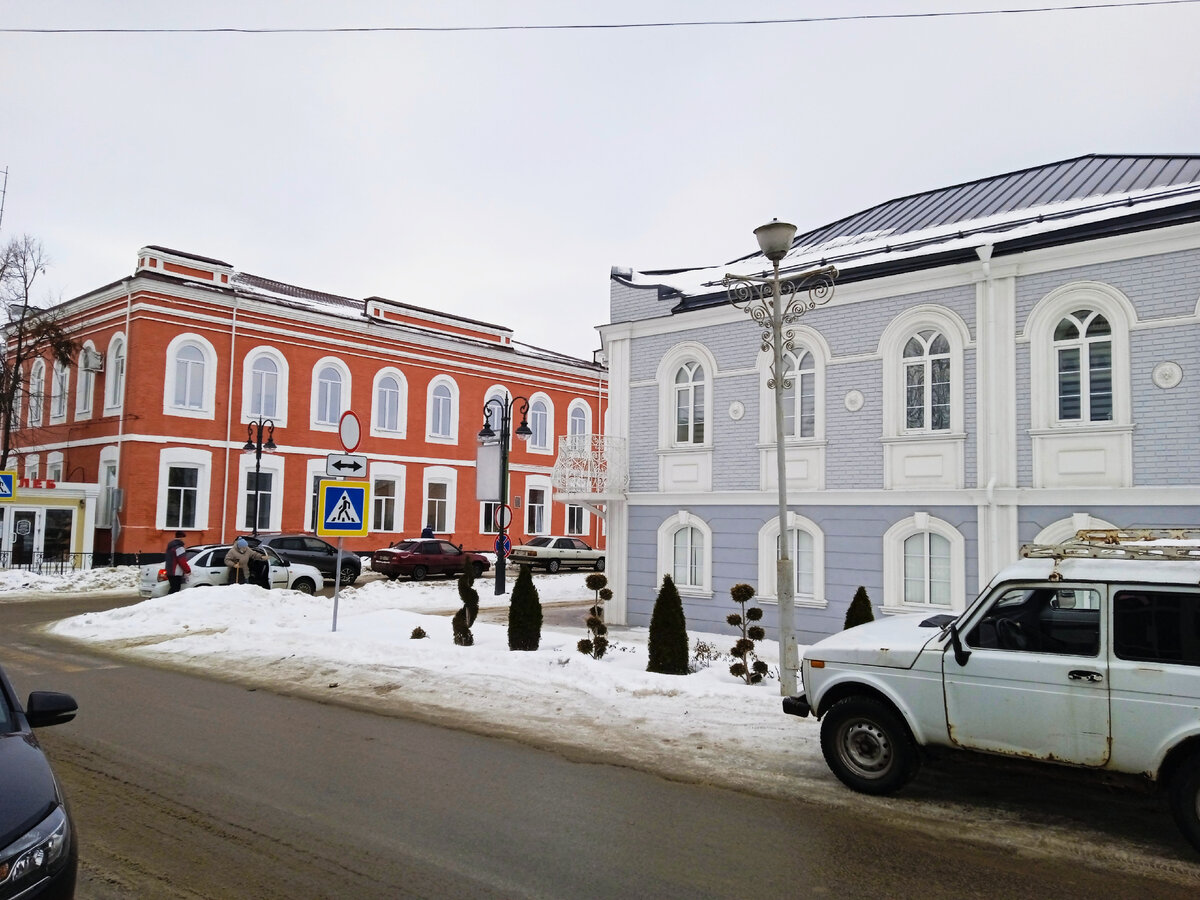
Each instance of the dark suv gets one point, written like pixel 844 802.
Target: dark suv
pixel 304 548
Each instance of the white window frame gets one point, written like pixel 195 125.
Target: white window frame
pixel 313 469
pixel 924 363
pixel 114 374
pixel 37 392
pixel 208 378
pixel 768 557
pixel 452 437
pixel 110 458
pixel 33 466
pixel 673 359
pixel 60 389
pixel 85 386
pixel 397 473
pixel 807 340
pixel 541 444
pixel 666 551
pixel 579 409
pixel 377 427
pixel 585 527
pixel 925 317
pixel 542 483
pixel 184 457
pixel 54 465
pixel 893 563
pixel 344 393
pixel 1082 344
pixel 274 466
pixel 440 475
pixel 1065 529
pixel 282 378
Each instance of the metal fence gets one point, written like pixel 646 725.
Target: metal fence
pixel 50 564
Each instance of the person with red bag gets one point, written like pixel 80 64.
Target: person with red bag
pixel 176 565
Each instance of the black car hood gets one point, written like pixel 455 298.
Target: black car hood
pixel 28 791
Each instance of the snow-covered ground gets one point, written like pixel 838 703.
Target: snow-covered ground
pixel 707 726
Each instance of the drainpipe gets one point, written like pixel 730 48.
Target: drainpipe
pixel 229 418
pixel 115 520
pixel 991 375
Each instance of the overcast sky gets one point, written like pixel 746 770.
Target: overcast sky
pixel 500 174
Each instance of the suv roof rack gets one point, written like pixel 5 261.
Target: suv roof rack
pixel 1121 543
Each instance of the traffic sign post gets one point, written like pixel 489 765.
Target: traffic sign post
pixel 503 546
pixel 8 485
pixel 342 511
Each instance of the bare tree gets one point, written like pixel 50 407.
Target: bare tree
pixel 30 332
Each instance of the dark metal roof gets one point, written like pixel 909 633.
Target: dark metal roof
pixel 1060 182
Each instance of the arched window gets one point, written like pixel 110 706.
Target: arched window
pixel 689 403
pixel 190 387
pixel 577 419
pixel 927 382
pixel 799 395
pixel 85 387
pixel 189 377
pixel 114 378
pixel 541 423
pixel 685 552
pixel 388 399
pixel 924 565
pixel 264 387
pixel 806 548
pixel 441 410
pixel 328 395
pixel 58 392
pixel 927 569
pixel 37 392
pixel 1084 355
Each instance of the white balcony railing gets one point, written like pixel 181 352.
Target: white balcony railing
pixel 591 466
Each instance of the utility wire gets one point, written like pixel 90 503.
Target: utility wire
pixel 599 26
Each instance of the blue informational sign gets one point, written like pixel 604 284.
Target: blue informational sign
pixel 343 508
pixel 8 485
pixel 503 546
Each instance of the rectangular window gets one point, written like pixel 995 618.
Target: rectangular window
pixel 383 505
pixel 1100 382
pixel 182 491
pixel 575 520
pixel 1157 626
pixel 535 514
pixel 688 560
pixel 914 375
pixel 258 501
pixel 437 505
pixel 939 412
pixel 316 502
pixel 489 517
pixel 1070 385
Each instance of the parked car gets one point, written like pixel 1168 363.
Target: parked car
pixel 38 851
pixel 208 568
pixel 553 553
pixel 1085 653
pixel 304 548
pixel 418 557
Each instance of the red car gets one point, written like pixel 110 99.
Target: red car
pixel 419 557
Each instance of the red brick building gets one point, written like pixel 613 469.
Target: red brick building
pixel 183 359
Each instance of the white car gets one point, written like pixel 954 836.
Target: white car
pixel 553 553
pixel 208 568
pixel 1085 653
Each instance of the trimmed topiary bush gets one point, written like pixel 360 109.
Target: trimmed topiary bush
pixel 668 632
pixel 465 617
pixel 595 645
pixel 524 614
pixel 747 666
pixel 860 610
pixel 418 633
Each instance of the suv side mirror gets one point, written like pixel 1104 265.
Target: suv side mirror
pixel 49 708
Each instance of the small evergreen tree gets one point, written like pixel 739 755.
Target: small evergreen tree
pixel 668 632
pixel 465 617
pixel 524 614
pixel 748 666
pixel 595 645
pixel 418 633
pixel 859 610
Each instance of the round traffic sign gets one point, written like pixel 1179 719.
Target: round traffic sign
pixel 349 431
pixel 503 545
pixel 503 517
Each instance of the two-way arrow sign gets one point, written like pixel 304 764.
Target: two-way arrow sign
pixel 345 465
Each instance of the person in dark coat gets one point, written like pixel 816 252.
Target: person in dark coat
pixel 175 564
pixel 427 531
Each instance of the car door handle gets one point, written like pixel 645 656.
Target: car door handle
pixel 1085 675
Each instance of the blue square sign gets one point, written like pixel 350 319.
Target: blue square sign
pixel 8 485
pixel 343 508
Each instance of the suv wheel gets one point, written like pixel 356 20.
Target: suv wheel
pixel 1185 799
pixel 349 574
pixel 868 746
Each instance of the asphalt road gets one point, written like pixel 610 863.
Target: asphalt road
pixel 185 787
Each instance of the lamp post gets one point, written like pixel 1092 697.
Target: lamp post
pixel 255 444
pixel 776 303
pixel 504 408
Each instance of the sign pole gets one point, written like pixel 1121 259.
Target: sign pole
pixel 337 582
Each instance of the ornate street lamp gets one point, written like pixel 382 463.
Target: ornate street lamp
pixel 255 444
pixel 504 409
pixel 775 304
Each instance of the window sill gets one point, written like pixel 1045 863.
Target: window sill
pixel 922 608
pixel 925 436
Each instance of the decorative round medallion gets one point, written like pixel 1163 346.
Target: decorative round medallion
pixel 854 400
pixel 736 410
pixel 1167 374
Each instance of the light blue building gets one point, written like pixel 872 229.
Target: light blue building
pixel 1003 361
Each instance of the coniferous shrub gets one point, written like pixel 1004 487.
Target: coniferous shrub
pixel 668 632
pixel 418 633
pixel 747 665
pixel 595 645
pixel 860 610
pixel 465 617
pixel 524 614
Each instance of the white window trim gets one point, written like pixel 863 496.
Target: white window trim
pixel 444 475
pixel 1043 368
pixel 580 403
pixel 315 393
pixel 55 458
pixel 542 483
pixel 549 449
pixel 1064 529
pixel 805 338
pixel 275 466
pixel 313 469
pixel 587 521
pixel 184 456
pixel 688 351
pixel 110 454
pixel 398 473
pixel 767 560
pixel 401 430
pixel 37 398
pixel 281 388
pixel 208 394
pixel 85 388
pixel 114 396
pixel 666 552
pixel 891 349
pixel 60 392
pixel 893 564
pixel 33 466
pixel 452 438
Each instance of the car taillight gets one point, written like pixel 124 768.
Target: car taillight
pixel 162 574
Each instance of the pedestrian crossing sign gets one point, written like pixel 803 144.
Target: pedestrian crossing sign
pixel 8 485
pixel 343 508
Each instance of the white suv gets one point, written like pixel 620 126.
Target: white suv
pixel 1085 653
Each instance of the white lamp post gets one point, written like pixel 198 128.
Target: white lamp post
pixel 775 303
